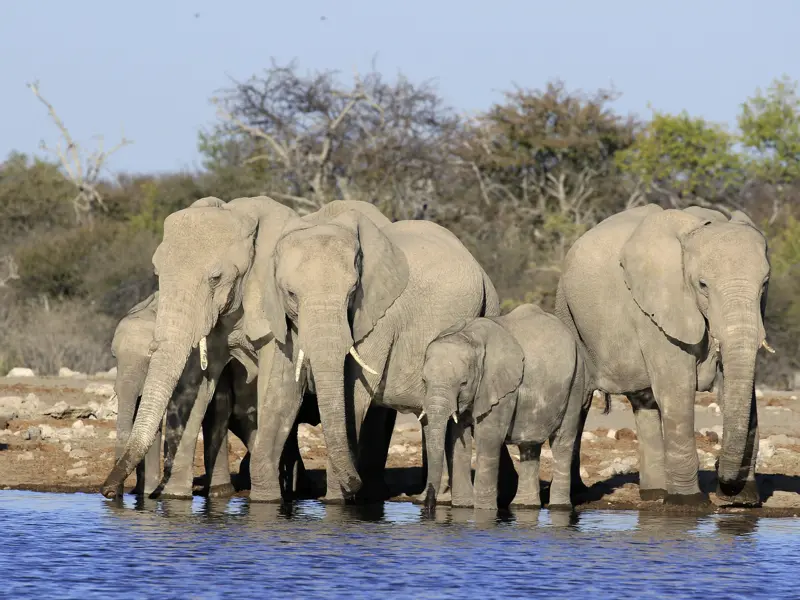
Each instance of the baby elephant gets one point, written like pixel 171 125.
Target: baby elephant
pixel 519 379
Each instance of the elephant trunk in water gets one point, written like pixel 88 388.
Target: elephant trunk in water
pixel 438 409
pixel 325 339
pixel 740 342
pixel 174 338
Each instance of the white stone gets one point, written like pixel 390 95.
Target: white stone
pixel 546 453
pixel 612 433
pixel 717 447
pixel 99 389
pixel 397 449
pixel 766 449
pixel 25 456
pixel 67 448
pixel 78 472
pixel 588 436
pixel 305 449
pixel 78 425
pixel 584 473
pixel 21 372
pixel 112 435
pixel 714 409
pixel 79 453
pixel 80 463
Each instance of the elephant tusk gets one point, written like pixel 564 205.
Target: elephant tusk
pixel 767 347
pixel 203 353
pixel 422 414
pixel 360 361
pixel 455 418
pixel 299 367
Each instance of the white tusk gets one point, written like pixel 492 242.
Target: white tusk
pixel 299 367
pixel 455 418
pixel 767 347
pixel 203 353
pixel 364 365
pixel 422 414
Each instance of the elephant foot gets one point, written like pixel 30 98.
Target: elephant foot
pixel 266 496
pixel 373 491
pixel 485 506
pixel 171 495
pixel 112 491
pixel 652 494
pixel 560 507
pixel 221 491
pixel 429 504
pixel 526 502
pixel 699 499
pixel 747 496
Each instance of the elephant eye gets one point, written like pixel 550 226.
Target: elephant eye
pixel 703 286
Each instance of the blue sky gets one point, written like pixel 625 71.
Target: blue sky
pixel 149 67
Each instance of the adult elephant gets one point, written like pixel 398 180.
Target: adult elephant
pixel 660 300
pixel 202 397
pixel 354 307
pixel 206 279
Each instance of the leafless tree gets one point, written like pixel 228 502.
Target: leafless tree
pixel 82 171
pixel 319 140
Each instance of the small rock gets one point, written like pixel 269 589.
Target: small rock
pixel 546 453
pixel 584 473
pixel 3 422
pixel 625 434
pixel 65 372
pixel 78 425
pixel 112 435
pixel 25 456
pixel 781 499
pixel 21 372
pixel 717 447
pixel 588 436
pixel 714 409
pixel 80 463
pixel 78 472
pixel 612 433
pixel 47 432
pixel 79 453
pixel 712 437
pixel 62 410
pixel 759 393
pixel 765 449
pixel 67 448
pixel 397 449
pixel 99 389
pixel 305 449
pixel 110 374
pixel 782 439
pixel 33 433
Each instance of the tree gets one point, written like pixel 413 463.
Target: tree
pixel 685 160
pixel 770 133
pixel 316 140
pixel 83 171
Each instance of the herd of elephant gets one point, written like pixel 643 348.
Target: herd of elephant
pixel 265 319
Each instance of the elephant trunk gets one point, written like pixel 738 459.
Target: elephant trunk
pixel 739 346
pixel 174 339
pixel 127 388
pixel 325 327
pixel 438 408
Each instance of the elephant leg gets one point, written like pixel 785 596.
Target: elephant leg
pixel 126 403
pixel 289 462
pixel 461 489
pixel 181 477
pixel 750 494
pixel 215 443
pixel 490 437
pixel 152 463
pixel 652 466
pixel 373 451
pixel 528 490
pixel 578 486
pixel 279 402
pixel 674 386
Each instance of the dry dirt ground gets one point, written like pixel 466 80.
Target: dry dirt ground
pixel 59 452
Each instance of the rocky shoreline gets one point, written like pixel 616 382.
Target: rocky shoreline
pixel 58 435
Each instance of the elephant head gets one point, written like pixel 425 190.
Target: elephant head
pixel 333 279
pixel 468 368
pixel 204 265
pixel 703 279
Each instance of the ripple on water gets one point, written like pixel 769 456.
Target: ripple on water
pixel 81 546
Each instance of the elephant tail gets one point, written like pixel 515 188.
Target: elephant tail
pixel 491 301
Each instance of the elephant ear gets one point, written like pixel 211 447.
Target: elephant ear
pixel 503 364
pixel 737 216
pixel 652 263
pixel 384 272
pixel 263 312
pixel 455 328
pixel 208 201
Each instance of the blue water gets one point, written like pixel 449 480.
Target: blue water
pixel 84 546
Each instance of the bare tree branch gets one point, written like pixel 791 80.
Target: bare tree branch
pixel 12 271
pixel 85 180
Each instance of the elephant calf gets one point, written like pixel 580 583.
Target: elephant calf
pixel 520 379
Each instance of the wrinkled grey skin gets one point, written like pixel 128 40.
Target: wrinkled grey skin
pixel 194 402
pixel 340 283
pixel 520 379
pixel 204 265
pixel 662 299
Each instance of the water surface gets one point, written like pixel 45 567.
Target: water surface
pixel 84 546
